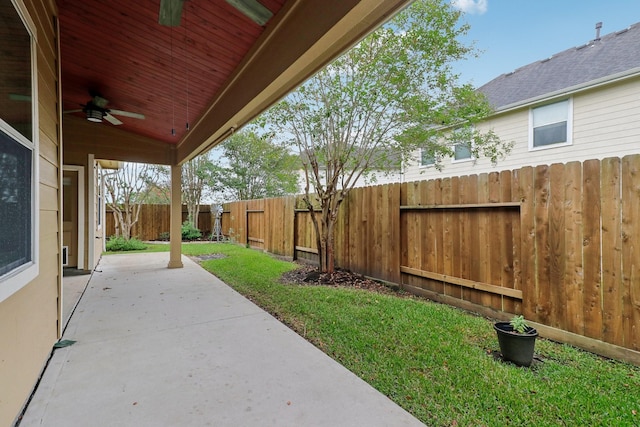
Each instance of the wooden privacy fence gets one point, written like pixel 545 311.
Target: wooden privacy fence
pixel 155 219
pixel 558 243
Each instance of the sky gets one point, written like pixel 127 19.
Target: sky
pixel 514 33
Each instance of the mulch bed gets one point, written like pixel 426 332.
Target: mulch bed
pixel 310 275
pixel 208 257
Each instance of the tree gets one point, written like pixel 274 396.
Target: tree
pixel 199 176
pixel 127 189
pixel 389 95
pixel 257 168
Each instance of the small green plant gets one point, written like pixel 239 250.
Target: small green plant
pixel 120 244
pixel 164 236
pixel 189 231
pixel 519 324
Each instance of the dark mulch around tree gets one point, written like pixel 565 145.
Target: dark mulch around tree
pixel 310 275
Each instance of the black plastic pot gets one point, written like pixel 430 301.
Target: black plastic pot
pixel 515 347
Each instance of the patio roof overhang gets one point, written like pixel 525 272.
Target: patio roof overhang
pixel 216 71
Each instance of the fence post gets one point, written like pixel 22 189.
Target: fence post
pixel 246 223
pixel 295 232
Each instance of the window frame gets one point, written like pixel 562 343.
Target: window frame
pixel 468 144
pixel 569 136
pixel 421 160
pixel 14 280
pixel 465 159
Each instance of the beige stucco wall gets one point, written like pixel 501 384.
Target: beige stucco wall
pixel 606 122
pixel 29 317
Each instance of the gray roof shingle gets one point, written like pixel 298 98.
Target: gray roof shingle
pixel 610 55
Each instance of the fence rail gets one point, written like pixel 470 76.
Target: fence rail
pixel 558 243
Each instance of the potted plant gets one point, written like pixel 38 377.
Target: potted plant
pixel 517 340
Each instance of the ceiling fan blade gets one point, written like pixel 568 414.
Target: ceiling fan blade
pixel 72 111
pixel 253 9
pixel 170 12
pixel 111 119
pixel 127 114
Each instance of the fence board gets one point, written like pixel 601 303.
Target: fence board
pixel 496 235
pixel 612 281
pixel 448 236
pixel 572 311
pixel 543 251
pixel 506 245
pixel 429 238
pixel 474 242
pixel 393 262
pixel 526 193
pixel 464 224
pixel 456 238
pixel 555 286
pixel 591 209
pixel 438 234
pixel 630 251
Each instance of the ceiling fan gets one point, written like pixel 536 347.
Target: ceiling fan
pixel 96 110
pixel 170 12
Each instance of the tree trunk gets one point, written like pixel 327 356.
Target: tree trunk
pixel 325 232
pixel 193 213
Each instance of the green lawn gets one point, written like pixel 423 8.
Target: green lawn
pixel 434 360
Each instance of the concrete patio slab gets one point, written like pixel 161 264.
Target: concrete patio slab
pixel 178 347
pixel 72 288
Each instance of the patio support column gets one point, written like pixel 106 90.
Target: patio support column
pixel 175 233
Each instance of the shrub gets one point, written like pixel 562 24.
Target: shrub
pixel 189 231
pixel 164 236
pixel 119 243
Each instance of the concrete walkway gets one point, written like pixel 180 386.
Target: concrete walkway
pixel 178 347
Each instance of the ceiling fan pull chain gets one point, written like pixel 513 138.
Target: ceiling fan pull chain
pixel 186 54
pixel 173 94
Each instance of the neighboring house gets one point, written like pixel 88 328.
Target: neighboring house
pixel 392 173
pixel 580 104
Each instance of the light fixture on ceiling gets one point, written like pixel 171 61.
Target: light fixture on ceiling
pixel 94 115
pixel 253 10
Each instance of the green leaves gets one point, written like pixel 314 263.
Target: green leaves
pixel 257 167
pixel 376 105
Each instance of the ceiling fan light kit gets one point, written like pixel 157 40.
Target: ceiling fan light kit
pixel 93 115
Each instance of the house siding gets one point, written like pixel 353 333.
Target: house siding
pixel 29 318
pixel 605 124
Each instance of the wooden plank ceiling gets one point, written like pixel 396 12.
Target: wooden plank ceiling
pixel 170 74
pixel 215 71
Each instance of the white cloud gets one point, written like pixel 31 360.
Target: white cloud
pixel 471 6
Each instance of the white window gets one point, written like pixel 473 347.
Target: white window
pixel 551 125
pixel 462 152
pixel 18 154
pixel 426 158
